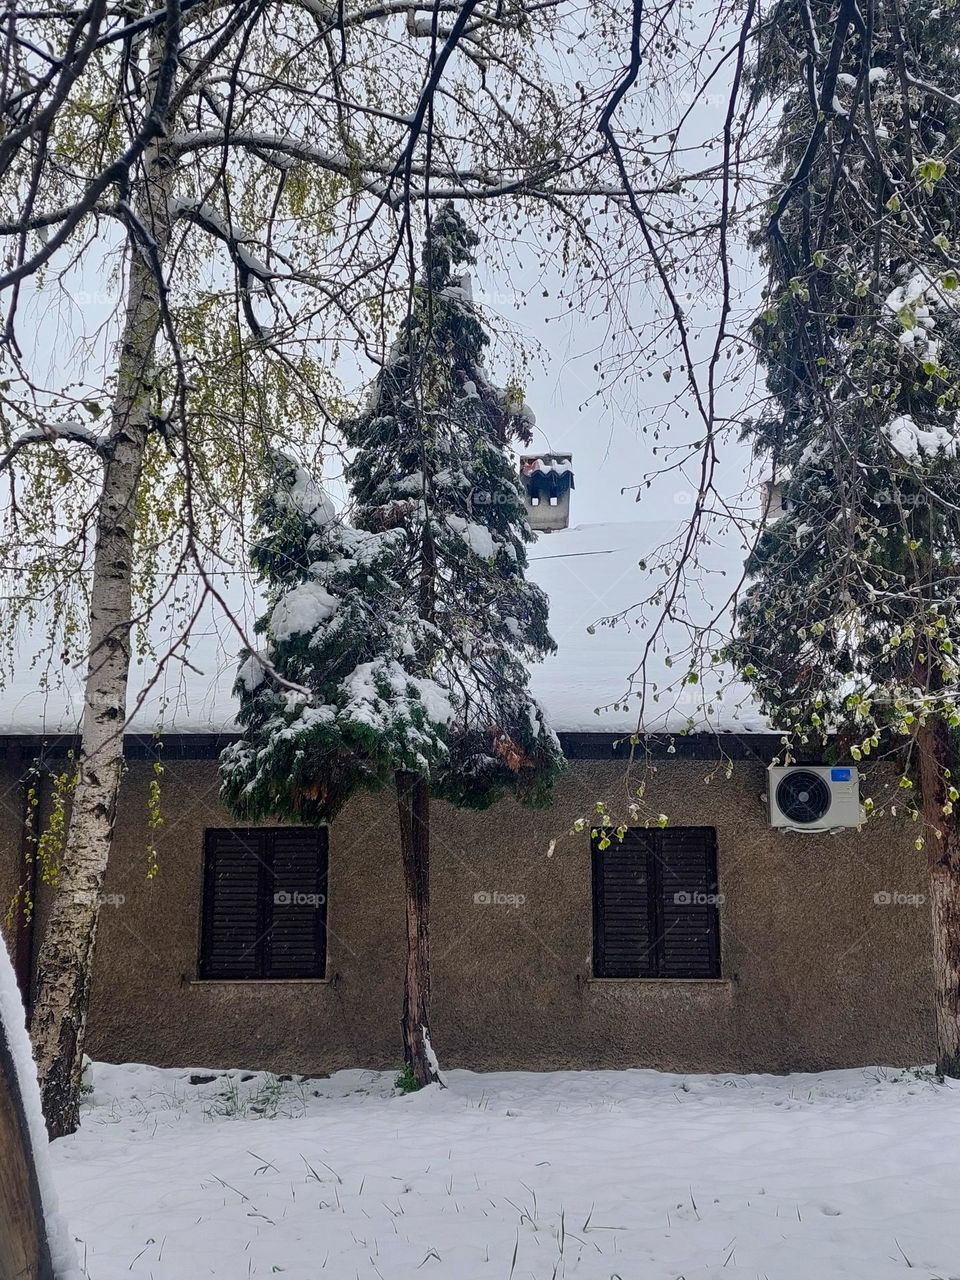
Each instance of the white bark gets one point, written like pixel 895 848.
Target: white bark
pixel 66 954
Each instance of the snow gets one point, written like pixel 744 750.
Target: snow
pixel 589 572
pixel 911 440
pixel 462 291
pixel 76 432
pixel 433 1062
pixel 844 1175
pixel 301 609
pixel 411 484
pixel 252 673
pixel 516 407
pixel 908 303
pixel 13 1030
pixel 310 498
pixel 209 217
pixel 876 75
pixel 477 536
pixel 905 295
pixel 437 705
pixel 560 465
pixel 366 704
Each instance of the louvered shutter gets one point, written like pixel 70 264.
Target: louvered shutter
pixel 264 903
pixel 233 922
pixel 623 908
pixel 689 924
pixel 296 944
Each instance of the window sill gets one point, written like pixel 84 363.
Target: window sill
pixel 257 982
pixel 660 982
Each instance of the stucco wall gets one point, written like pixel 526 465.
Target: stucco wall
pixel 816 973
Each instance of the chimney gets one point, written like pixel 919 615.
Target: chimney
pixel 773 503
pixel 547 481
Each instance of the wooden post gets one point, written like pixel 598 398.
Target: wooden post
pixel 24 1251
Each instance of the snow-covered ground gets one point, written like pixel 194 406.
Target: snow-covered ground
pixel 597 1175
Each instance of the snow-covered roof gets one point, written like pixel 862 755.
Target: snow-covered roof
pixel 590 572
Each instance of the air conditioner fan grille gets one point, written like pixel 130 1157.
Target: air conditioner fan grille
pixel 803 797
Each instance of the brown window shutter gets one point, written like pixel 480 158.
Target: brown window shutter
pixel 624 908
pixel 264 903
pixel 297 943
pixel 689 920
pixel 233 921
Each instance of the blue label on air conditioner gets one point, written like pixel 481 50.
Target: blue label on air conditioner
pixel 841 775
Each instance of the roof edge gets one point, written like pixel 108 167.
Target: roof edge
pixel 576 746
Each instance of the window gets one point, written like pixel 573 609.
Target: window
pixel 264 903
pixel 655 905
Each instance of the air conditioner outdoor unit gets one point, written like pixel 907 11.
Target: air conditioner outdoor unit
pixel 808 797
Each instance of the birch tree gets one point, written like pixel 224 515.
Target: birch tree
pixel 64 962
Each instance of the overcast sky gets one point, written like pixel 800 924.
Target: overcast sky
pixel 611 425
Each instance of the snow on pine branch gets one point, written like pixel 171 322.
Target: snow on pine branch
pixel 914 442
pixel 366 685
pixel 301 609
pixel 311 499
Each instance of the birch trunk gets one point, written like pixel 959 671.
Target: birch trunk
pixel 413 798
pixel 65 958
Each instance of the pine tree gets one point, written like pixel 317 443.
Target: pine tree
pixel 397 651
pixel 849 631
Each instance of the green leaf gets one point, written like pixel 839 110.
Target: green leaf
pixel 931 171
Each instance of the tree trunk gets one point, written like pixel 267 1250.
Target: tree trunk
pixel 413 798
pixel 66 953
pixel 936 759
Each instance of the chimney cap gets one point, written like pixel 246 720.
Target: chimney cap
pixel 547 479
pixel 559 463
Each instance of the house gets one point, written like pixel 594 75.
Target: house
pixel 711 943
